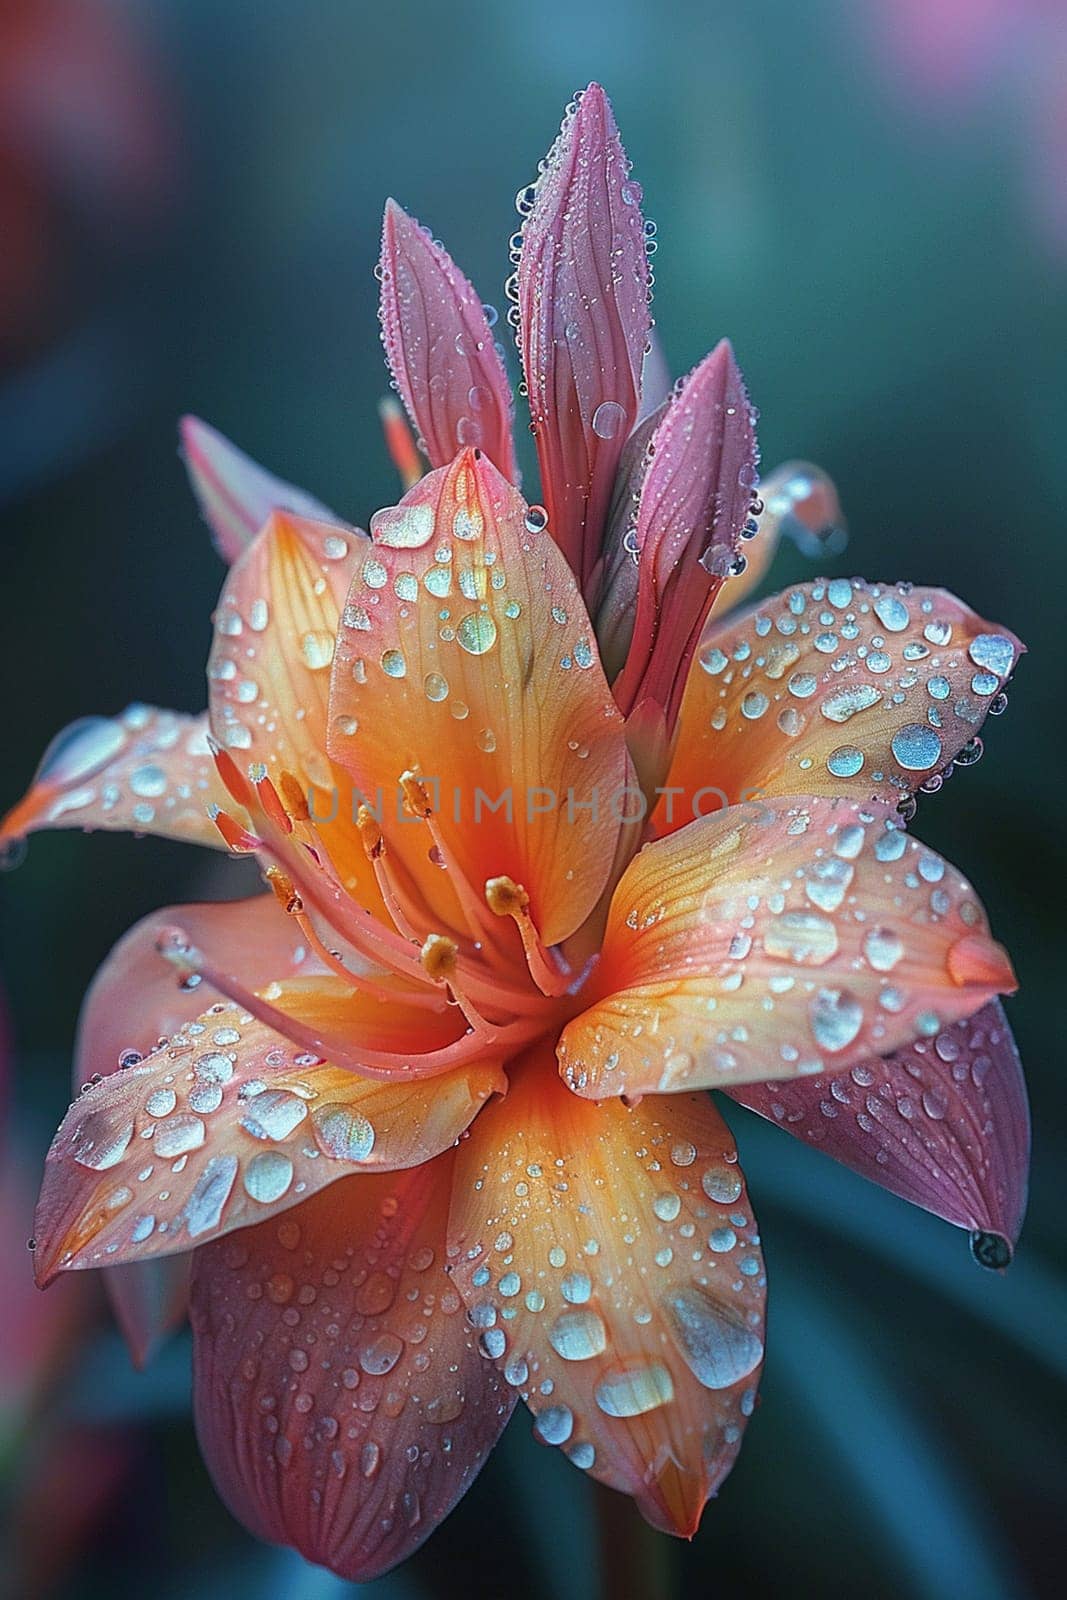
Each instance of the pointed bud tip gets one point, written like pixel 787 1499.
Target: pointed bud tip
pixel 394 216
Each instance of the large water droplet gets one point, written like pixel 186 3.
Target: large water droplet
pixel 273 1114
pixel 343 1133
pixel 267 1176
pixel 80 751
pixel 476 633
pixel 718 1349
pixel 607 419
pixel 578 1335
pixel 555 1424
pixel 836 1018
pixel 630 1392
pixel 917 747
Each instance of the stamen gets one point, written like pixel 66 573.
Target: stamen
pixel 237 838
pixel 320 886
pixel 506 898
pixel 439 958
pixel 418 803
pixel 400 905
pixel 366 982
pixel 175 946
pixel 399 442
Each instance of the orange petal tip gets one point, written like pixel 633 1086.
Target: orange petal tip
pixel 980 962
pixel 674 1500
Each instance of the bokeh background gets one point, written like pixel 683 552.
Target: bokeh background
pixel 870 198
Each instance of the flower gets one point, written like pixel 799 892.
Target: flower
pixel 431 1114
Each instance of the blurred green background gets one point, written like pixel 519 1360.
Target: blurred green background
pixel 870 198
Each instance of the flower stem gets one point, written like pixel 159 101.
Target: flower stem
pixel 634 1558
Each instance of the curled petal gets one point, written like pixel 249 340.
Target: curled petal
pixel 224 1124
pixel 466 658
pixel 133 1002
pixel 694 502
pixel 836 687
pixel 780 939
pixel 619 1285
pixel 801 503
pixel 235 495
pixel 441 349
pixel 340 1404
pixel 943 1123
pixel 583 288
pixel 146 771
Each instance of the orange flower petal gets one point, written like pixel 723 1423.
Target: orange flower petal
pixel 340 1403
pixel 834 687
pixel 466 656
pixel 223 1125
pixel 146 771
pixel 269 672
pixel 610 1260
pixel 777 939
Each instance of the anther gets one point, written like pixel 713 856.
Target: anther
pixel 282 885
pixel 505 897
pixel 370 832
pixel 231 775
pixel 439 958
pixel 416 795
pixel 294 797
pixel 271 802
pixel 236 837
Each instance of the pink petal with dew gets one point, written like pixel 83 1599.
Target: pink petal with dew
pixel 441 349
pixel 583 292
pixel 695 501
pixel 341 1402
pixel 943 1123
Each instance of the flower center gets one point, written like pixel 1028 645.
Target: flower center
pixel 508 986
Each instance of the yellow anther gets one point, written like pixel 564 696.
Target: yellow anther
pixel 505 897
pixel 438 957
pixel 294 797
pixel 370 832
pixel 282 885
pixel 416 795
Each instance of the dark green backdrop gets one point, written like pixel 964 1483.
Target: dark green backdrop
pixel 877 242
